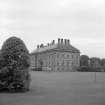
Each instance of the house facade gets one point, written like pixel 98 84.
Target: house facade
pixel 60 56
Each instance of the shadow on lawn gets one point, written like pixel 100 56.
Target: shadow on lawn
pixel 12 91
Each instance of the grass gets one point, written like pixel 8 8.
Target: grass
pixel 60 88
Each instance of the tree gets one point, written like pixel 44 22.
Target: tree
pixel 95 63
pixel 84 64
pixel 14 51
pixel 84 60
pixel 103 62
pixel 16 57
pixel 2 62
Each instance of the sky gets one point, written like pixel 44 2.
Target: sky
pixel 41 21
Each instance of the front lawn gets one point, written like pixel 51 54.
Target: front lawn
pixel 60 88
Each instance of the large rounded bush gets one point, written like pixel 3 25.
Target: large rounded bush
pixel 2 62
pixel 15 53
pixel 15 66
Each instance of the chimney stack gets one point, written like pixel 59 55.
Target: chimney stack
pixel 58 40
pixel 53 42
pixel 65 41
pixel 41 46
pixel 37 46
pixel 61 41
pixel 68 42
pixel 48 44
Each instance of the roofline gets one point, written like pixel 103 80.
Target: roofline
pixel 76 51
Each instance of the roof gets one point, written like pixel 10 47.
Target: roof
pixel 57 47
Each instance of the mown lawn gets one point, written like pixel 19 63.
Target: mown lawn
pixel 60 88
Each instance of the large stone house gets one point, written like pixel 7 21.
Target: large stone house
pixel 60 56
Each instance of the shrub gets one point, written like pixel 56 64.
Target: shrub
pixel 2 62
pixel 15 53
pixel 16 60
pixel 85 69
pixel 89 69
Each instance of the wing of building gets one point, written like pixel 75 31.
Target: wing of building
pixel 60 56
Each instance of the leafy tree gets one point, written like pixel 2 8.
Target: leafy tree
pixel 84 60
pixel 103 62
pixel 2 62
pixel 15 53
pixel 95 64
pixel 16 60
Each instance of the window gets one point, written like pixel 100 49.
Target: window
pixel 67 63
pixel 57 55
pixel 77 57
pixel 72 56
pixel 67 56
pixel 63 63
pixel 63 55
pixel 49 63
pixel 77 63
pixel 49 57
pixel 58 63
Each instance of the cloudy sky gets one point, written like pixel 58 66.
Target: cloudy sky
pixel 41 21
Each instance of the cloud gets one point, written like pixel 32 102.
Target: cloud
pixel 38 21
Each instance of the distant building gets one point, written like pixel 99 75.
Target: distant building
pixel 60 56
